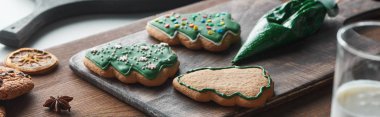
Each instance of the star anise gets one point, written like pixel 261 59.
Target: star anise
pixel 59 103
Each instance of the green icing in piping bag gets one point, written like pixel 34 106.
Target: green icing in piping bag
pixel 287 23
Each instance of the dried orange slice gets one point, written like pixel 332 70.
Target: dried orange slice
pixel 31 61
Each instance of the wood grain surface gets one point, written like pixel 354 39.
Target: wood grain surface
pixel 296 69
pixel 91 101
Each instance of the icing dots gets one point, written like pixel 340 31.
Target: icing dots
pixel 117 46
pixel 147 59
pixel 143 59
pixel 151 66
pixel 123 58
pixel 211 26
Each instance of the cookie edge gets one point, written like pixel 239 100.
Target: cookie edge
pixel 199 42
pixel 234 99
pixel 134 76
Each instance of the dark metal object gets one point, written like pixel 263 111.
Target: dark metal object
pixel 48 11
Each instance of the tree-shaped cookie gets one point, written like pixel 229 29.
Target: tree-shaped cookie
pixel 213 32
pixel 249 86
pixel 148 64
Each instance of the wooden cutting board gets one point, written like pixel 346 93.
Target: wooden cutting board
pixel 296 69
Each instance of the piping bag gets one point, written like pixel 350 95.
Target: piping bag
pixel 285 24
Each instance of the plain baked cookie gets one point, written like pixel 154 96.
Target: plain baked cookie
pixel 213 32
pixel 13 83
pixel 249 86
pixel 148 64
pixel 2 111
pixel 31 61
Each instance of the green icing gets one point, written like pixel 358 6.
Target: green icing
pixel 146 59
pixel 283 25
pixel 234 94
pixel 212 26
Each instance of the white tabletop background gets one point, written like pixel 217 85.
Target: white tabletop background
pixel 62 31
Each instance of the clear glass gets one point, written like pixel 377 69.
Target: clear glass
pixel 356 91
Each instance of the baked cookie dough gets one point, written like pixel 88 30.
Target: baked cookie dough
pixel 214 32
pixel 31 61
pixel 2 111
pixel 13 83
pixel 147 64
pixel 249 86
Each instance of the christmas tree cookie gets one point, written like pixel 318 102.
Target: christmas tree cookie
pixel 148 64
pixel 213 32
pixel 249 86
